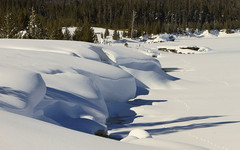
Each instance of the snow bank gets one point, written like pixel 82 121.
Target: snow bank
pixel 145 69
pixel 77 88
pixel 73 48
pixel 20 91
pixel 75 102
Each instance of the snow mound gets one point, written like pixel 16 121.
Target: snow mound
pixel 79 90
pixel 136 134
pixel 75 103
pixel 72 48
pixel 145 69
pixel 140 133
pixel 20 91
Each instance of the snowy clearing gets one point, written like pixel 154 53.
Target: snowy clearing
pixel 47 85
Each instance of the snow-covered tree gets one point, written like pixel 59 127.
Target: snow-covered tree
pixel 34 28
pixel 77 35
pixel 116 35
pixel 7 27
pixel 67 34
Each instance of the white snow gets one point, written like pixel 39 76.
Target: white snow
pixel 80 86
pixel 202 107
pixel 76 85
pixel 21 133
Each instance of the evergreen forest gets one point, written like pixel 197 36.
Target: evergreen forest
pixel 149 16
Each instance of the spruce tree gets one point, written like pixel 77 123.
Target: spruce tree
pixel 34 28
pixel 77 35
pixel 84 33
pixel 67 34
pixel 115 35
pixel 87 32
pixel 124 34
pixel 57 34
pixel 106 33
pixel 8 28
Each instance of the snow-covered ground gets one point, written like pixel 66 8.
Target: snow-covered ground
pixel 94 88
pixel 203 108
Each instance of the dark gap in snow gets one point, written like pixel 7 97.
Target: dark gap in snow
pixel 53 72
pixel 171 69
pixel 195 48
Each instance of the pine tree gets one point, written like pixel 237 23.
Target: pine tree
pixel 115 35
pixel 84 33
pixel 77 35
pixel 57 34
pixel 118 35
pixel 87 32
pixel 67 34
pixel 34 28
pixel 8 28
pixel 106 33
pixel 124 34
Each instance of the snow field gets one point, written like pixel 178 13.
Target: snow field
pixel 203 111
pixel 79 86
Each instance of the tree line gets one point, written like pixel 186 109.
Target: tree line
pixel 151 16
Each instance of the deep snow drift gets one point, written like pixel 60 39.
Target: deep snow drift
pixel 70 84
pixel 78 85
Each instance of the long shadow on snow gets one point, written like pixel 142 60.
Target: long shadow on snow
pixel 151 124
pixel 175 129
pixel 64 109
pixel 123 120
pixel 21 95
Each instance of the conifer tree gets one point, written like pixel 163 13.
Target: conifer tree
pixel 67 34
pixel 87 32
pixel 57 34
pixel 124 34
pixel 34 28
pixel 8 28
pixel 77 35
pixel 84 33
pixel 115 35
pixel 106 33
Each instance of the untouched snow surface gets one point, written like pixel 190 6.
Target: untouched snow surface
pixel 204 108
pixel 87 87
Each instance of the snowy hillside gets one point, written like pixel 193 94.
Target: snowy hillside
pixel 48 88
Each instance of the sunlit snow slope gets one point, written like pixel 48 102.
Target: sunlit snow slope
pixel 202 107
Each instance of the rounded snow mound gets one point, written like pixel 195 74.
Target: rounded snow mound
pixel 20 90
pixel 139 133
pixel 136 134
pixel 146 70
